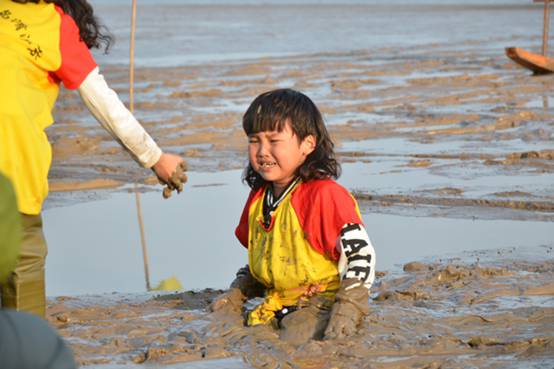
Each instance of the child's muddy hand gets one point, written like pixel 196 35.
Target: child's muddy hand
pixel 231 300
pixel 352 303
pixel 344 321
pixel 247 284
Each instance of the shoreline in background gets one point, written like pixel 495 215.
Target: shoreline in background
pixel 178 33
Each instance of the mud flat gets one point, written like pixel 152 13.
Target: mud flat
pixel 419 121
pixel 491 308
pixel 430 131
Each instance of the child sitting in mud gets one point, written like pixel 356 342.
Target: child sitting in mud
pixel 309 254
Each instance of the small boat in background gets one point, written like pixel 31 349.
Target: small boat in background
pixel 539 64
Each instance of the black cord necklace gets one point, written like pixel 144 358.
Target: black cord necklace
pixel 270 203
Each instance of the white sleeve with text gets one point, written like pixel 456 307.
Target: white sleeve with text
pixel 357 260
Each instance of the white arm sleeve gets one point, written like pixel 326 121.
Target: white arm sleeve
pixel 357 260
pixel 110 112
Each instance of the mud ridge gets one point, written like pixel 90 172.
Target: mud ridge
pixel 542 206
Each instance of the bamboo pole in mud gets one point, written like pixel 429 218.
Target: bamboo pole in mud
pixel 545 27
pixel 132 108
pixel 142 240
pixel 132 57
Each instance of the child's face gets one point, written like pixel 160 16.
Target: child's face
pixel 276 155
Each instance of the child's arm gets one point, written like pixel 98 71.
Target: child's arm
pixel 357 260
pixel 110 112
pixel 243 287
pixel 357 267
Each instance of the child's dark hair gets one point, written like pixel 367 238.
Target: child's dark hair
pixel 92 33
pixel 270 111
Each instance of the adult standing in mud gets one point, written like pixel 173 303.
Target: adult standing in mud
pixel 42 44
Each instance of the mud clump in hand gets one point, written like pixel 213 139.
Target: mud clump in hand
pixel 176 181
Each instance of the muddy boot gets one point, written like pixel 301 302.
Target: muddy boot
pixel 25 289
pixel 307 322
pixel 351 305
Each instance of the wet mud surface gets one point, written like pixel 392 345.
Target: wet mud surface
pixel 491 309
pixel 444 115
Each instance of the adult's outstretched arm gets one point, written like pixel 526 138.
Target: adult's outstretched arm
pixel 111 113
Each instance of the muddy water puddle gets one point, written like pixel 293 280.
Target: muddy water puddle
pixel 94 247
pixel 189 236
pixel 230 363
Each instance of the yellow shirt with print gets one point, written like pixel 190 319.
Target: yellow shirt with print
pixel 284 261
pixel 29 50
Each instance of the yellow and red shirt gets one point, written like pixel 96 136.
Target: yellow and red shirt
pixel 40 47
pixel 296 256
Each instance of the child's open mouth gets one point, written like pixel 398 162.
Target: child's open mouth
pixel 267 165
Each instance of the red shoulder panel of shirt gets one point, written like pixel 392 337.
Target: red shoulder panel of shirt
pixel 77 61
pixel 323 207
pixel 242 229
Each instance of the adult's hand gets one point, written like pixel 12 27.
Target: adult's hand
pixel 170 170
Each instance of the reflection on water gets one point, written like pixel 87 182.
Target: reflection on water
pixel 229 363
pixel 94 247
pixel 544 102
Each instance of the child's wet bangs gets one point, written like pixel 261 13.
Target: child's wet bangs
pixel 263 118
